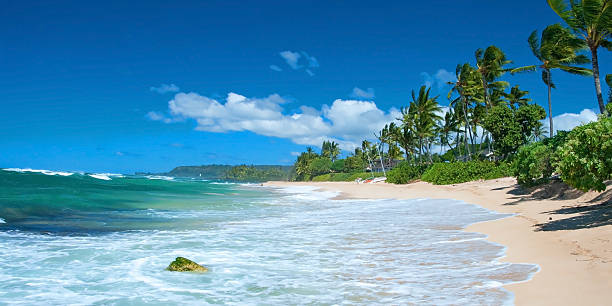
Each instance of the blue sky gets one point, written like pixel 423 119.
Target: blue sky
pixel 119 87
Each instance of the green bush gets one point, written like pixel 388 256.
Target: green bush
pixel 338 165
pixel 536 162
pixel 405 173
pixel 320 165
pixel 460 172
pixel 585 160
pixel 533 164
pixel 344 177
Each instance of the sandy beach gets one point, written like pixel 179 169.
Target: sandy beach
pixel 566 232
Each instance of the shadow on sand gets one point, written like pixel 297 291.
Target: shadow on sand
pixel 586 213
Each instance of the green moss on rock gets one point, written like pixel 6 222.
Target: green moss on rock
pixel 182 264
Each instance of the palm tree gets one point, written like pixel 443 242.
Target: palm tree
pixel 467 86
pixel 591 21
pixel 539 132
pixel 516 98
pixel 405 137
pixel 490 65
pixel 557 50
pixel 449 126
pixel 424 115
pixel 334 150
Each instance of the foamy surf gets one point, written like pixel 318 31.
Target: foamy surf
pixel 262 245
pixel 41 171
pixel 100 177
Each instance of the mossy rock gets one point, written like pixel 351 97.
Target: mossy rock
pixel 182 264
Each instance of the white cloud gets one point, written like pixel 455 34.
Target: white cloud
pixel 312 61
pixel 165 88
pixel 439 79
pixel 295 153
pixel 157 116
pixel 347 122
pixel 359 93
pixel 298 60
pixel 291 58
pixel 568 121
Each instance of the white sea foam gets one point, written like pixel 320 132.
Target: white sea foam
pixel 307 193
pixel 2 220
pixel 222 183
pixel 159 177
pixel 100 177
pixel 308 247
pixel 42 171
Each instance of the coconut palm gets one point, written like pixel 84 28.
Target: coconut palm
pixel 467 86
pixel 449 126
pixel 557 49
pixel 516 98
pixel 490 65
pixel 591 20
pixel 405 137
pixel 539 132
pixel 424 114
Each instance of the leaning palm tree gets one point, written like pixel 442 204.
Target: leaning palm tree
pixel 490 65
pixel 591 20
pixel 467 86
pixel 557 49
pixel 449 126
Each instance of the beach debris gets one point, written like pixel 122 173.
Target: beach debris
pixel 182 264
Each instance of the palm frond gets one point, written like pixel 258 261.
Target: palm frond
pixel 575 70
pixel 531 68
pixel 591 10
pixel 561 9
pixel 534 44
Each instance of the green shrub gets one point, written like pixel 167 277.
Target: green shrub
pixel 338 165
pixel 585 160
pixel 405 173
pixel 344 177
pixel 460 172
pixel 533 164
pixel 320 165
pixel 536 162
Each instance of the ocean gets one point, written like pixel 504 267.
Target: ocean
pixel 106 239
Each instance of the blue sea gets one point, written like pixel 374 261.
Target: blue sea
pixel 106 239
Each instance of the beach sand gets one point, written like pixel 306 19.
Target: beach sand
pixel 566 232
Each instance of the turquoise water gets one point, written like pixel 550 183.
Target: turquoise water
pixel 70 238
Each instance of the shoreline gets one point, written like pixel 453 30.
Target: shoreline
pixel 555 229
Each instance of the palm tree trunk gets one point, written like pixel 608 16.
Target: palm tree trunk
pixel 465 131
pixel 595 61
pixel 550 118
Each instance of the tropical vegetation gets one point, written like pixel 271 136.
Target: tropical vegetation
pixel 491 128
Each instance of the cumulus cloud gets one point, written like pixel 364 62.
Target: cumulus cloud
pixel 165 88
pixel 276 68
pixel 359 93
pixel 568 121
pixel 438 79
pixel 344 121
